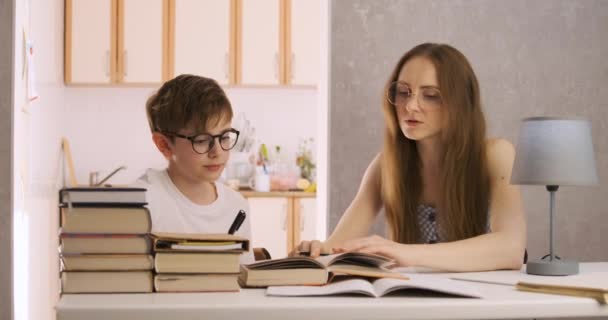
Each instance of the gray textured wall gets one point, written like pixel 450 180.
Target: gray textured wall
pixel 6 155
pixel 541 57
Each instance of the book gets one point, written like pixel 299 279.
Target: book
pixel 380 287
pixel 188 262
pixel 106 262
pixel 196 242
pixel 592 285
pixel 103 195
pixel 104 243
pixel 302 270
pixel 108 219
pixel 106 282
pixel 197 246
pixel 195 282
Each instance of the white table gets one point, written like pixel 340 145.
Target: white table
pixel 500 302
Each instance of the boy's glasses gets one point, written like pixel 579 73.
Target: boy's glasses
pixel 202 143
pixel 400 94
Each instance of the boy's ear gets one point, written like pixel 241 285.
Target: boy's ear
pixel 163 144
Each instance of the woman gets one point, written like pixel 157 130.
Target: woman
pixel 444 186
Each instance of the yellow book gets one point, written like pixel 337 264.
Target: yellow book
pixel 191 242
pixel 598 294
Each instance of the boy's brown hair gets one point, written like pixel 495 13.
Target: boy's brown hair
pixel 188 101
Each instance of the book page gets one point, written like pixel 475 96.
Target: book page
pixel 201 246
pixel 363 271
pixel 357 286
pixel 286 263
pixel 426 282
pixel 355 258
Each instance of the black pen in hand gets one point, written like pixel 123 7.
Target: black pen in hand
pixel 238 221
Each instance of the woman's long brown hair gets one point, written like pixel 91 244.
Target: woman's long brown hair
pixel 464 193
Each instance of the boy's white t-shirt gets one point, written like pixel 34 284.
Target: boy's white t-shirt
pixel 171 211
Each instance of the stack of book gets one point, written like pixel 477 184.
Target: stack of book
pixel 104 240
pixel 197 262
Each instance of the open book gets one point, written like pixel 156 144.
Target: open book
pixel 301 270
pixel 380 287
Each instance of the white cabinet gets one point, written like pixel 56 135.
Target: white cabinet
pixel 202 39
pixel 305 220
pixel 140 43
pixel 303 55
pixel 242 42
pixel 269 224
pixel 280 220
pixel 89 40
pixel 115 41
pixel 258 60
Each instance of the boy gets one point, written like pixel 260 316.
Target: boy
pixel 190 119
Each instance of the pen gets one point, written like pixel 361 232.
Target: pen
pixel 238 221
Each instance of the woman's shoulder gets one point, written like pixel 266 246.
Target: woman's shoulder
pixel 498 143
pixel 375 166
pixel 501 155
pixel 499 147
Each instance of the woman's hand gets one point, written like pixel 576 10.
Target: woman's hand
pixel 312 248
pixel 375 244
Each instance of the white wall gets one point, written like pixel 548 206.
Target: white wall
pixel 323 123
pixel 37 130
pixel 107 127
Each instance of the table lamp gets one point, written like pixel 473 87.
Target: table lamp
pixel 554 152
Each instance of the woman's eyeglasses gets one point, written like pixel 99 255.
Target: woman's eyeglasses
pixel 400 94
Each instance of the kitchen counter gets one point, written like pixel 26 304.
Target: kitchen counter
pixel 277 194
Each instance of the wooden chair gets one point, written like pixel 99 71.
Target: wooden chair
pixel 261 254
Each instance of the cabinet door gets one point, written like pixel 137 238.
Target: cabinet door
pixel 259 62
pixel 140 43
pixel 303 60
pixel 88 39
pixel 269 221
pixel 306 227
pixel 202 39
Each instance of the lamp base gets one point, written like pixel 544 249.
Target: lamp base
pixel 552 268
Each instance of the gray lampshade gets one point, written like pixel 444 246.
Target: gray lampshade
pixel 554 151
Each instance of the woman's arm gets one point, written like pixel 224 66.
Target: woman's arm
pixel 503 248
pixel 358 217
